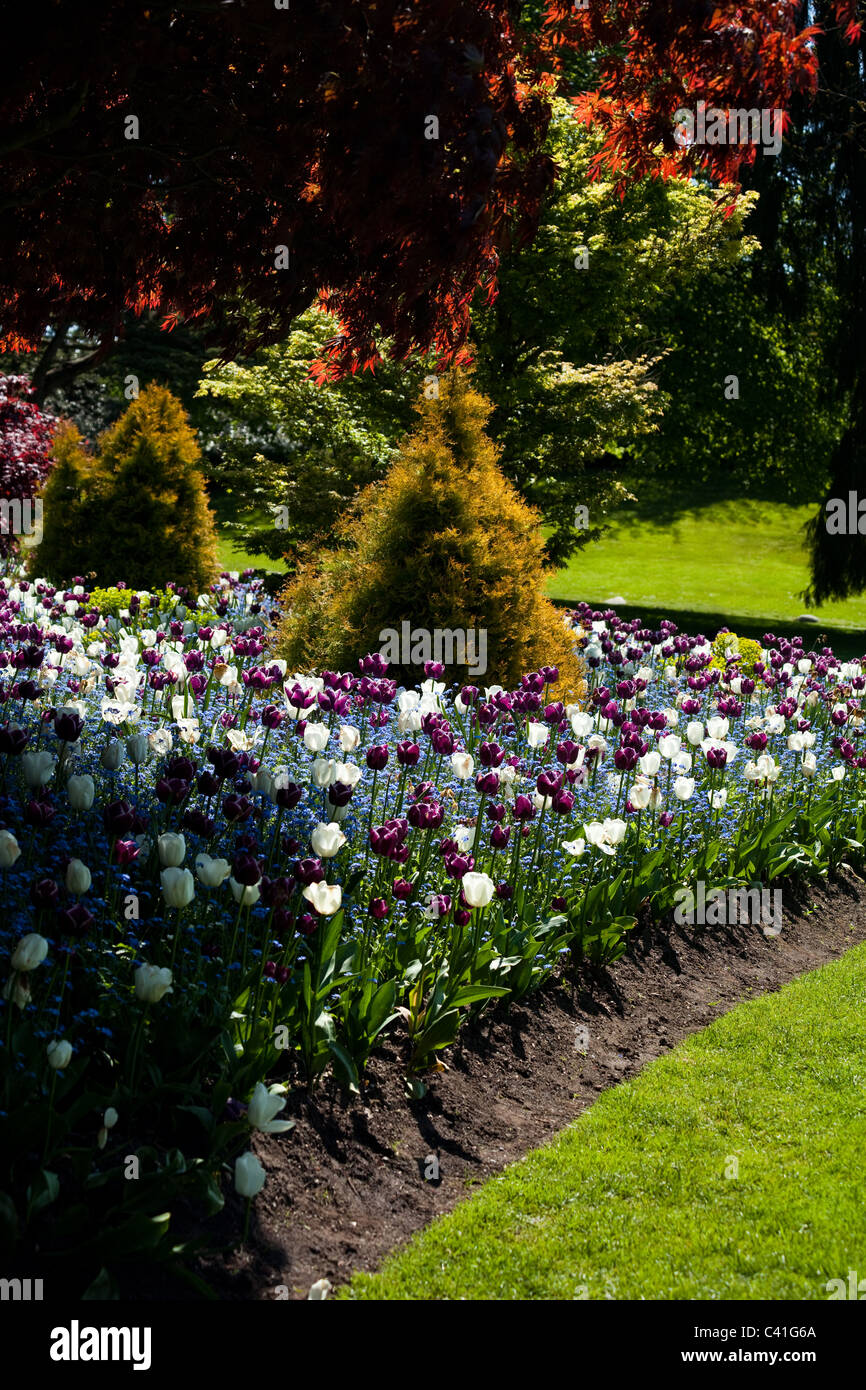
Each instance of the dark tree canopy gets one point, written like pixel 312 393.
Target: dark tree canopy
pixel 255 128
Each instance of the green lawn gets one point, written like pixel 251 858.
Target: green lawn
pixel 699 553
pixel 632 1201
pixel 694 554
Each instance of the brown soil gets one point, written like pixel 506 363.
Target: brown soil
pixel 347 1185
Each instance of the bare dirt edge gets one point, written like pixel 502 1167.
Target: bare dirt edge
pixel 347 1186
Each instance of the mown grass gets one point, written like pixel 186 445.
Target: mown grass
pixel 636 1200
pixel 699 550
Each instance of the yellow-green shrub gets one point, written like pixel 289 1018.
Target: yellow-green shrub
pixel 726 643
pixel 444 542
pixel 136 510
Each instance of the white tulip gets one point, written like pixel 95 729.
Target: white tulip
pixel 650 763
pixel 262 781
pixel 30 952
pixel 719 799
pixel 350 737
pixel 670 745
pixel 138 748
pixel 347 773
pixel 178 887
pixel 684 788
pixel 160 742
pixel 112 756
pixel 10 849
pixel 245 893
pixel 717 728
pixel 694 732
pixel 615 831
pixel 212 872
pixel 264 1104
pixel 537 735
pixel 478 889
pixel 809 765
pixel 327 840
pixel 323 773
pixel 38 768
pixel 81 791
pixel 59 1054
pixel 463 765
pixel 172 850
pixel 639 796
pixel 768 768
pixel 249 1176
pixel 78 877
pixel 324 897
pixel 574 847
pixel 463 837
pixel 152 982
pixel 316 737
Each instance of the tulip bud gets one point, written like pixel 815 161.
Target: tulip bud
pixel 178 886
pixel 249 1176
pixel 17 988
pixel 112 756
pixel 59 1054
pixel 78 877
pixel 81 791
pixel 38 768
pixel 9 849
pixel 138 748
pixel 30 952
pixel 172 850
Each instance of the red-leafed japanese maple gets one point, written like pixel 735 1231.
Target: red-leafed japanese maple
pixel 26 434
pixel 228 161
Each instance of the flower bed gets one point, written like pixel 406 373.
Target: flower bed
pixel 220 879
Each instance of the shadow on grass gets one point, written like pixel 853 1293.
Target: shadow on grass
pixel 846 643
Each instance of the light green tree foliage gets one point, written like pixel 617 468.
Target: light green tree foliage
pixel 751 401
pixel 292 453
pixel 570 358
pixel 570 351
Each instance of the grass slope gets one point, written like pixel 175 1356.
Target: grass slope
pixel 632 1201
pixel 699 550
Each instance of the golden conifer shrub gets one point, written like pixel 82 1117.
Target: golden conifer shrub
pixel 444 543
pixel 136 510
